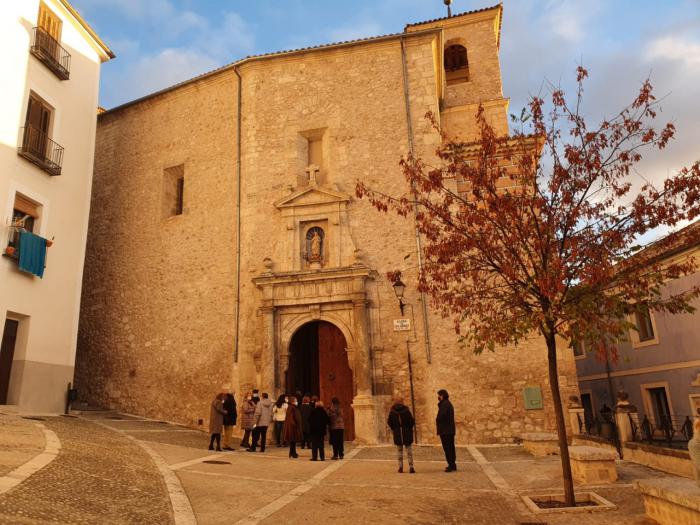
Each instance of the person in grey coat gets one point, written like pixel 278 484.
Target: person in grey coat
pixel 262 418
pixel 216 421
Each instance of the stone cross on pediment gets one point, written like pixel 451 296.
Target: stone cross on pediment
pixel 312 170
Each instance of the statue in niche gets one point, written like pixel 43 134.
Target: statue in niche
pixel 314 246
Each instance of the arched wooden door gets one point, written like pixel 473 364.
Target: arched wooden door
pixel 335 375
pixel 318 364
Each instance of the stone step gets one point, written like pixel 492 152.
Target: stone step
pixel 9 409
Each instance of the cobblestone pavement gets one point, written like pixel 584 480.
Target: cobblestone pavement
pixel 249 488
pixel 99 477
pixel 20 441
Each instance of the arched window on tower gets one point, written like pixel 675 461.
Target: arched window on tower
pixel 456 64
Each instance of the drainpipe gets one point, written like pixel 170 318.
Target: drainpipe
pixel 238 214
pixel 419 247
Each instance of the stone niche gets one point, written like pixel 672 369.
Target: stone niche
pixel 310 209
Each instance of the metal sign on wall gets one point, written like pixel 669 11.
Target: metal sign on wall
pixel 532 395
pixel 402 325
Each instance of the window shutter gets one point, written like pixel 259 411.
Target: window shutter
pixel 26 206
pixel 38 115
pixel 49 22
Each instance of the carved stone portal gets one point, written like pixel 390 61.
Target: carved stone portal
pixel 337 296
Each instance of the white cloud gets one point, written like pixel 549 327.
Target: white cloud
pixel 163 69
pixel 677 49
pixel 569 19
pixel 189 46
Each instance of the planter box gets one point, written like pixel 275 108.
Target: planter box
pixel 541 443
pixel 592 465
pixel 594 503
pixel 671 501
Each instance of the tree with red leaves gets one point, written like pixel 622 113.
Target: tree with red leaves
pixel 536 232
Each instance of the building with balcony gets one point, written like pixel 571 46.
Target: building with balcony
pixel 51 62
pixel 659 363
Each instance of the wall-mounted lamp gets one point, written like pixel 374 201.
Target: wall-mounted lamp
pixel 399 289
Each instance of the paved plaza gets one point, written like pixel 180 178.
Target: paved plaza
pixel 112 468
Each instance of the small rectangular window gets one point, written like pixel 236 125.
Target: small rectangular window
pixel 644 324
pixel 577 347
pixel 173 200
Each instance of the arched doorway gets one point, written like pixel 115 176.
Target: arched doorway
pixel 318 364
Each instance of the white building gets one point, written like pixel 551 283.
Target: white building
pixel 50 61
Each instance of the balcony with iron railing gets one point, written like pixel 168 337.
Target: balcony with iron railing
pixel 47 49
pixel 39 149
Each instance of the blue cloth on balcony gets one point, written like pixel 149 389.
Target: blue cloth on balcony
pixel 32 253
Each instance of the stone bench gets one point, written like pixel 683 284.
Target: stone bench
pixel 541 443
pixel 671 501
pixel 593 465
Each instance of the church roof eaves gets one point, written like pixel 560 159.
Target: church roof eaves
pixel 262 56
pixel 465 13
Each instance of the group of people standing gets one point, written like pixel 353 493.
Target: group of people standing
pixel 308 423
pixel 293 424
pixel 402 423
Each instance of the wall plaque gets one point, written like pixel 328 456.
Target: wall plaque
pixel 402 325
pixel 532 395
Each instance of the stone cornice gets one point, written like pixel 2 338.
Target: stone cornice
pixel 326 274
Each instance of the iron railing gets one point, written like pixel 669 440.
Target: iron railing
pixel 670 431
pixel 47 49
pixel 38 148
pixel 603 427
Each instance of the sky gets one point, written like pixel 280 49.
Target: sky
pixel 620 42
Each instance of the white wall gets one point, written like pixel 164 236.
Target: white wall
pixel 52 303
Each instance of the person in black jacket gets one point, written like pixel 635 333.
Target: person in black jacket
pixel 401 423
pixel 305 410
pixel 445 422
pixel 229 419
pixel 318 423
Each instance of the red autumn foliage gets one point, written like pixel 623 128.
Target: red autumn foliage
pixel 535 233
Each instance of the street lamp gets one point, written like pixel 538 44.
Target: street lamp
pixel 399 289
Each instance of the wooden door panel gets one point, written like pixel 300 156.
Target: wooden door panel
pixel 7 350
pixel 335 375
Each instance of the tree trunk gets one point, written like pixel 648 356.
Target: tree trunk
pixel 561 425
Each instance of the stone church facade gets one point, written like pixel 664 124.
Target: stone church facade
pixel 226 246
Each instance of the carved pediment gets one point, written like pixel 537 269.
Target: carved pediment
pixel 312 196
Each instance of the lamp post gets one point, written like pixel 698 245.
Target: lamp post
pixel 447 3
pixel 399 289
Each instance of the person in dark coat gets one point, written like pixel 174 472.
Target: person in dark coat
pixel 337 428
pixel 445 422
pixel 293 432
pixel 318 423
pixel 216 421
pixel 305 410
pixel 229 419
pixel 401 423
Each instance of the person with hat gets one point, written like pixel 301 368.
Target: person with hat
pixel 229 418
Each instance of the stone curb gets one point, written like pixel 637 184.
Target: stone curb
pixel 38 462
